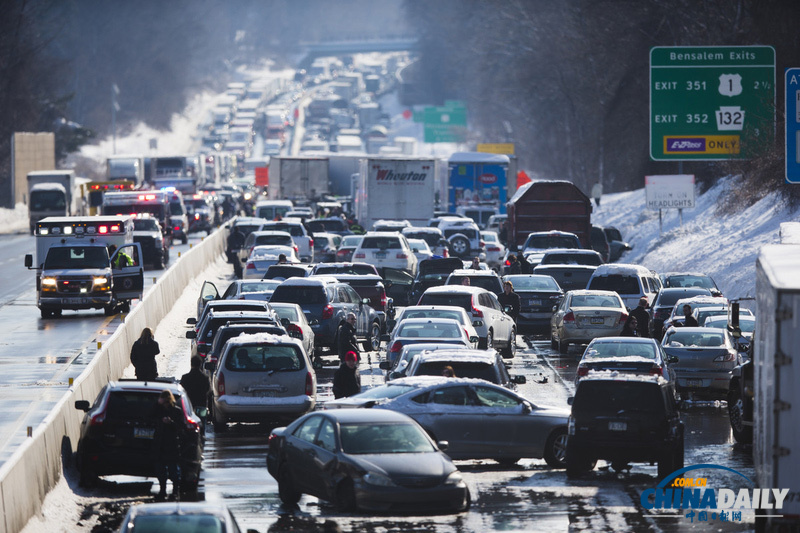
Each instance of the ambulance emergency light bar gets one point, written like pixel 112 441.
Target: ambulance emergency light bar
pixel 79 228
pixel 126 186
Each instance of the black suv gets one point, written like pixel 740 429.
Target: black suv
pixel 117 433
pixel 623 420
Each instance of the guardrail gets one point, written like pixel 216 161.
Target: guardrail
pixel 36 466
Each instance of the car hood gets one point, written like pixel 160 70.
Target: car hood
pixel 444 265
pixel 406 465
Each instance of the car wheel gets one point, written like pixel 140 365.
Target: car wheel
pixel 286 492
pixel 88 478
pixel 578 462
pixel 489 344
pixel 741 432
pixel 666 464
pixel 184 239
pixel 109 310
pixel 374 337
pixel 346 496
pixel 460 246
pixel 553 342
pixel 511 350
pixel 563 347
pixel 220 425
pixel 508 461
pixel 555 450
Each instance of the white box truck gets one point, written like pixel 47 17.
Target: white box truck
pixel 53 193
pixel 776 427
pixel 298 178
pixel 396 189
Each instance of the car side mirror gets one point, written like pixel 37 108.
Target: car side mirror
pixel 527 408
pixel 28 260
pixel 191 321
pixel 191 334
pixel 570 400
pixel 385 365
pixel 415 250
pixel 507 309
pixel 474 339
pixel 83 405
pixel 555 307
pixel 365 301
pixel 443 445
pixel 285 322
pixel 519 380
pixel 672 359
pixel 396 375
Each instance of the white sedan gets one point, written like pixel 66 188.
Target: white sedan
pixel 420 249
pixel 262 257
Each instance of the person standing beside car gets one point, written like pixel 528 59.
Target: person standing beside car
pixel 143 356
pixel 167 440
pixel 347 337
pixel 513 265
pixel 197 387
pixel 346 379
pixel 642 318
pixel 510 299
pixel 688 319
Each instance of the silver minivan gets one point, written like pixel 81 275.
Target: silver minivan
pixel 631 282
pixel 262 378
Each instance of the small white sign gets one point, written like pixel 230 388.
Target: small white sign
pixel 730 118
pixel 730 85
pixel 669 192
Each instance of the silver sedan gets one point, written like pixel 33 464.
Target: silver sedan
pixel 478 419
pixel 705 356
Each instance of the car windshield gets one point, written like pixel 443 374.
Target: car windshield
pixel 432 239
pixel 378 438
pixel 264 358
pixel 467 232
pixel 357 270
pixel 292 229
pixel 381 243
pixel 525 283
pixel 303 295
pixel 289 313
pixel 410 312
pixel 145 224
pixel 136 405
pixel 490 283
pixel 571 259
pixel 259 286
pixel 459 300
pixel 352 240
pixel 617 397
pixel 384 392
pixel 77 257
pixel 619 283
pixel 433 330
pixel 325 225
pixel 680 338
pixel 594 300
pixel 462 369
pixel 544 242
pixel 245 229
pixel 283 240
pixel 177 523
pixel 670 297
pixel 621 349
pixel 690 281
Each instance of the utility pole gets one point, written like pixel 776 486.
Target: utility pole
pixel 114 109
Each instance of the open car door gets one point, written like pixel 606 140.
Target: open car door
pixel 398 285
pixel 208 293
pixel 127 271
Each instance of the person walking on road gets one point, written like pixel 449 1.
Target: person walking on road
pixel 642 318
pixel 629 329
pixel 688 319
pixel 509 298
pixel 513 265
pixel 143 356
pixel 346 379
pixel 347 337
pixel 167 440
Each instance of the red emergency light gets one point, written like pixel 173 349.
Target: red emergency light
pixel 102 230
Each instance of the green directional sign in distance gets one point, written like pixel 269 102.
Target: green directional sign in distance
pixel 446 124
pixel 712 102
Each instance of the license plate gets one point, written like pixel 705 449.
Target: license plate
pixel 617 426
pixel 380 255
pixel 143 433
pixel 534 301
pixel 265 393
pixel 694 382
pixel 597 320
pixel 75 300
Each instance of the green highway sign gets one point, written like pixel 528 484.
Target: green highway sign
pixel 446 124
pixel 711 102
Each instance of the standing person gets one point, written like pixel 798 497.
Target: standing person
pixel 282 259
pixel 346 379
pixel 629 329
pixel 642 318
pixel 197 387
pixel 513 265
pixel 167 440
pixel 143 356
pixel 476 263
pixel 688 319
pixel 347 337
pixel 597 192
pixel 511 299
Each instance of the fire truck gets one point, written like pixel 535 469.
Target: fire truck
pixel 77 267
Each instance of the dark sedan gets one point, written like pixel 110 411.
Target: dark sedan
pixel 538 294
pixel 367 459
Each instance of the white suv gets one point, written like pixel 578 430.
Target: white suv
pixel 386 249
pixel 464 237
pixel 301 237
pixel 495 328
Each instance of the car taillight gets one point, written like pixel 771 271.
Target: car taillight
pixel 294 331
pixel 569 317
pixel 221 384
pixel 197 216
pixel 583 371
pixel 98 419
pixel 311 242
pixel 384 299
pixel 296 249
pixel 508 262
pixel 396 347
pixel 309 384
pixel 446 253
pixel 190 424
pixel 656 370
pixel 177 228
pixel 481 244
pixel 623 317
pixel 402 256
pixel 250 266
pixel 341 252
pixel 360 255
pixel 477 313
pixel 728 357
pixel 327 312
pixel 493 249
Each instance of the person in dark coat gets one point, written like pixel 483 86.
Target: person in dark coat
pixel 143 356
pixel 197 386
pixel 347 337
pixel 167 444
pixel 511 299
pixel 524 266
pixel 346 379
pixel 629 329
pixel 642 318
pixel 688 319
pixel 513 265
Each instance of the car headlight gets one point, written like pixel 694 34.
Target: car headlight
pixel 99 281
pixel 379 480
pixel 48 282
pixel 454 479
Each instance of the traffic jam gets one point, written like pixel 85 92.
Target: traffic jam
pixel 389 341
